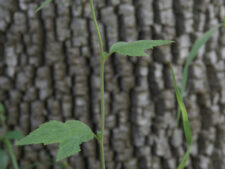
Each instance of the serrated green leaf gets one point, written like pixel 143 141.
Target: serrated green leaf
pixel 186 124
pixel 68 148
pixel 14 135
pixel 43 5
pixel 69 135
pixel 197 45
pixel 48 133
pixel 4 159
pixel 136 48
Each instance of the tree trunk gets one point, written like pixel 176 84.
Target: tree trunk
pixel 50 70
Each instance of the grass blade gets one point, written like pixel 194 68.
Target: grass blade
pixel 197 45
pixel 43 5
pixel 4 159
pixel 186 124
pixel 184 159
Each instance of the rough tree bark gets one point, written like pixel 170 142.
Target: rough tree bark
pixel 49 69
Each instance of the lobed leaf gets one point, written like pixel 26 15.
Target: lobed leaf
pixel 197 45
pixel 43 5
pixel 47 133
pixel 69 135
pixel 4 159
pixel 136 48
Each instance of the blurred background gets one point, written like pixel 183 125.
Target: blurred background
pixel 49 70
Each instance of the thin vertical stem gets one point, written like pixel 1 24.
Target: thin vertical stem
pixel 5 140
pixel 97 28
pixel 102 118
pixel 11 153
pixel 100 138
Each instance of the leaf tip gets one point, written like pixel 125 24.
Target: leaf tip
pixel 36 11
pixel 23 141
pixel 144 55
pixel 18 143
pixel 170 42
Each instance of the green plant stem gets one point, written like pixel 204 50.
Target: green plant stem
pixel 183 88
pixel 102 118
pixel 97 28
pixel 100 138
pixel 66 165
pixel 6 140
pixel 11 153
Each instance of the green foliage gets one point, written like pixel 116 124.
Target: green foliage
pixel 197 45
pixel 69 135
pixel 184 159
pixel 4 160
pixel 6 143
pixel 43 5
pixel 64 165
pixel 14 135
pixel 2 116
pixel 186 125
pixel 224 22
pixel 136 48
pixel 2 109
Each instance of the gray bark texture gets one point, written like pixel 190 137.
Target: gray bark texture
pixel 49 70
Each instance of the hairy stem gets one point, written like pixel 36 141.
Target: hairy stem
pixel 100 139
